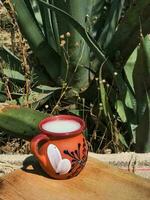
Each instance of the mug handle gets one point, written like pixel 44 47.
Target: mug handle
pixel 35 142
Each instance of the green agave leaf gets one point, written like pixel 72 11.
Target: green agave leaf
pixel 129 104
pixel 19 121
pixel 14 69
pixel 121 111
pixel 39 75
pixel 50 27
pixel 37 97
pixel 41 94
pixel 130 101
pixel 141 76
pixel 3 97
pixel 126 37
pixel 96 9
pixel 46 89
pixel 15 75
pixel 104 96
pixel 143 130
pixel 75 111
pixel 111 23
pixel 11 59
pixel 33 6
pixel 46 20
pixel 45 53
pixel 24 17
pixel 104 99
pixel 129 67
pixel 123 141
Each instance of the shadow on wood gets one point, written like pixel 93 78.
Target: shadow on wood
pixel 96 181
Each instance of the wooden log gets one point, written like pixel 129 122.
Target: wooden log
pixel 97 181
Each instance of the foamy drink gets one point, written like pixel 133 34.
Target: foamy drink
pixel 61 126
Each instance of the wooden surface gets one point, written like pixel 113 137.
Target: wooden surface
pixel 97 181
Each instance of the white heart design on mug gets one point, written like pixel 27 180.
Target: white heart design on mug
pixel 61 166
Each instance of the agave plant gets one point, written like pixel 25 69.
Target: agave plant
pixel 85 47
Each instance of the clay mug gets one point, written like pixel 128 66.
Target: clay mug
pixel 61 147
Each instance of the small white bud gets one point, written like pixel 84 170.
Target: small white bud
pixel 63 42
pixel 100 104
pixel 68 34
pixel 62 36
pixel 46 106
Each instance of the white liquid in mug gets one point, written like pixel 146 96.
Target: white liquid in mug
pixel 61 126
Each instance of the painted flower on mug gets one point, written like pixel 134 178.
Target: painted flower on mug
pixel 61 166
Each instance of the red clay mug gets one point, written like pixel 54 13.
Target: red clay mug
pixel 61 147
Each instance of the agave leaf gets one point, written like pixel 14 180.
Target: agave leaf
pixel 46 89
pixel 14 69
pixel 45 53
pixel 129 106
pixel 33 6
pixel 37 97
pixel 50 27
pixel 41 94
pixel 75 112
pixel 130 100
pixel 129 66
pixel 39 76
pixel 111 23
pixel 24 17
pixel 20 122
pixel 141 76
pixel 104 99
pixel 121 111
pixel 10 58
pixel 143 130
pixel 96 8
pixel 126 37
pixel 45 19
pixel 14 75
pixel 104 96
pixel 122 140
pixel 3 97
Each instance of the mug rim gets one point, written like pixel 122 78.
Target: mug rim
pixel 63 134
